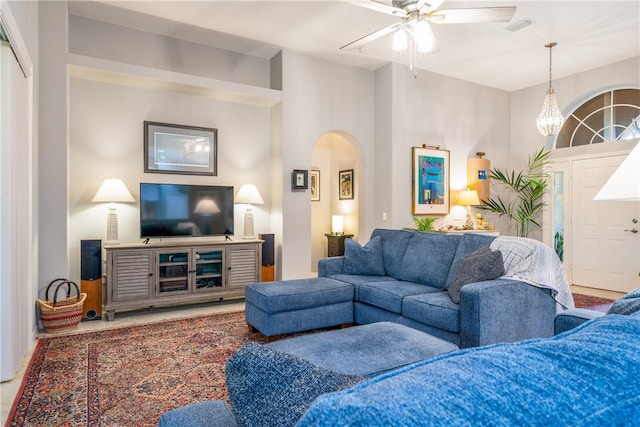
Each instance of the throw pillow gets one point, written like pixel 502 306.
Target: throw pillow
pixel 365 261
pixel 482 264
pixel 269 387
pixel 628 304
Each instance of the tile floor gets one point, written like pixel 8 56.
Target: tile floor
pixel 8 389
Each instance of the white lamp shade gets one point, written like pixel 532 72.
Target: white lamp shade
pixel 337 224
pixel 624 184
pixel 468 198
pixel 400 40
pixel 113 190
pixel 423 36
pixel 249 194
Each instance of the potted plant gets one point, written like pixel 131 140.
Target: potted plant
pixel 424 223
pixel 525 190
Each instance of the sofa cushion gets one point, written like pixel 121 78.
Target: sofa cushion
pixel 435 309
pixel 394 245
pixel 389 295
pixel 356 281
pixel 428 258
pixel 363 260
pixel 469 242
pixel 478 266
pixel 269 387
pixel 628 304
pixel 587 377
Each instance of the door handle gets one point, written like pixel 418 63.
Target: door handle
pixel 633 230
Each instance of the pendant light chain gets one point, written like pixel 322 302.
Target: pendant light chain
pixel 550 46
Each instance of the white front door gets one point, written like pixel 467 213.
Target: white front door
pixel 605 251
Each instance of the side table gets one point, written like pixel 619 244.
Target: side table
pixel 336 243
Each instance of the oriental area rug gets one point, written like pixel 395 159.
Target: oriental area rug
pixel 130 376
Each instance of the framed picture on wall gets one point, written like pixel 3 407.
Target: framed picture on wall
pixel 314 185
pixel 299 179
pixel 180 149
pixel 345 182
pixel 430 186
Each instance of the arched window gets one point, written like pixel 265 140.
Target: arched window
pixel 611 116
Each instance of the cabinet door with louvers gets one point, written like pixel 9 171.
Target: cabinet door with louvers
pixel 132 275
pixel 243 265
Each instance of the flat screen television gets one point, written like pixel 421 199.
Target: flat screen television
pixel 181 210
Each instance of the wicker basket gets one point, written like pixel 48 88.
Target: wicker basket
pixel 65 314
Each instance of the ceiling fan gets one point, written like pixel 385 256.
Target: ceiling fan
pixel 415 18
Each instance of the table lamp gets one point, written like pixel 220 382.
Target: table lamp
pixel 112 191
pixel 468 198
pixel 337 224
pixel 249 195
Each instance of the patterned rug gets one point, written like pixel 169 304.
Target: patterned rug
pixel 129 376
pixel 592 303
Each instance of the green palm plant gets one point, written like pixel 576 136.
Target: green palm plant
pixel 424 223
pixel 526 189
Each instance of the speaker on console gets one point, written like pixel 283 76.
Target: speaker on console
pixel 268 257
pixel 91 278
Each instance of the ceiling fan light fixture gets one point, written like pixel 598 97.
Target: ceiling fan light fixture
pixel 423 37
pixel 400 40
pixel 550 119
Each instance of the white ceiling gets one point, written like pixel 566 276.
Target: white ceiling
pixel 589 33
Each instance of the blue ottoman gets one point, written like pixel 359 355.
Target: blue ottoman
pixel 366 350
pixel 212 413
pixel 276 308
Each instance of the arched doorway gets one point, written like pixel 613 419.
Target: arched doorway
pixel 335 153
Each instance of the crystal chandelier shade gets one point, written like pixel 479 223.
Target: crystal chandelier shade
pixel 550 119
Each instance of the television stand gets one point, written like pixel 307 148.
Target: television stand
pixel 144 275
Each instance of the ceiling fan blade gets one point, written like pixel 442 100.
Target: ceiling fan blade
pixel 473 15
pixel 381 7
pixel 433 5
pixel 372 36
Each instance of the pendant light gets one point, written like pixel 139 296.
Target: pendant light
pixel 550 119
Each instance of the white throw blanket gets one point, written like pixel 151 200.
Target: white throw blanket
pixel 532 262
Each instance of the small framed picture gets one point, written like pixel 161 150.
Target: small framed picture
pixel 299 179
pixel 314 184
pixel 345 180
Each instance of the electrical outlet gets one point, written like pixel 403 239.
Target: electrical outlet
pixel 384 216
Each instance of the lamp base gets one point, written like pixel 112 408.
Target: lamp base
pixel 249 232
pixel 112 227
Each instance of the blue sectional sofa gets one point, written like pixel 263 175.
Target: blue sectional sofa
pixel 587 376
pixel 404 277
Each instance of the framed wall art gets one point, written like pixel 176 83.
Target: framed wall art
pixel 299 179
pixel 345 181
pixel 430 170
pixel 187 150
pixel 314 185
